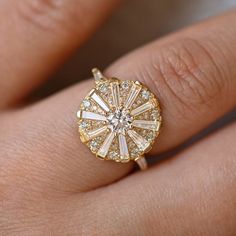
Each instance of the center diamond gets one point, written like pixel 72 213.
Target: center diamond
pixel 120 121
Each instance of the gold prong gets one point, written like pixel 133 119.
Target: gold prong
pixel 84 137
pixel 97 74
pixel 137 82
pixel 79 114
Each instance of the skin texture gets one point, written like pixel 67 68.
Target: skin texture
pixel 42 31
pixel 50 184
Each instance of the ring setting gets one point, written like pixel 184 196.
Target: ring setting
pixel 119 120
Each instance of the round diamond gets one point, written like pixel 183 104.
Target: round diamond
pixel 94 145
pixel 86 103
pixel 154 114
pixel 84 125
pixel 150 136
pixel 135 152
pixel 103 88
pixel 120 121
pixel 113 155
pixel 125 85
pixel 110 101
pixel 145 94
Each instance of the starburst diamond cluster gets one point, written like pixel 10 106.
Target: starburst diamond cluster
pixel 119 120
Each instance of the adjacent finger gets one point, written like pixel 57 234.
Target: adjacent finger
pixel 193 193
pixel 192 72
pixel 38 35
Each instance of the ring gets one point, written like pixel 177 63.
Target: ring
pixel 119 120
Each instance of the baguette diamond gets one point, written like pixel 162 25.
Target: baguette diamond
pixel 132 95
pixel 102 152
pixel 124 152
pixel 99 101
pixel 145 124
pixel 143 108
pixel 91 116
pixel 141 142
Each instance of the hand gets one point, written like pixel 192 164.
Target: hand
pixel 50 184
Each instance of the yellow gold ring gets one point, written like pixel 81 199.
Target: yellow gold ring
pixel 119 120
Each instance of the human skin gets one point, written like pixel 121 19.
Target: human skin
pixel 50 184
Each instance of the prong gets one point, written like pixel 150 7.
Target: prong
pixel 79 112
pixel 115 94
pixel 84 137
pixel 141 142
pixel 98 76
pixel 133 94
pixel 99 101
pixel 102 152
pixel 143 108
pixel 124 152
pixel 92 116
pixel 137 82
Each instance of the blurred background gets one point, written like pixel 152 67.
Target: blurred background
pixel 135 23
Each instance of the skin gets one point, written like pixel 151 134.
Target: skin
pixel 50 184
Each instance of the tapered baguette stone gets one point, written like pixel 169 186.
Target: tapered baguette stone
pixel 102 152
pixel 141 109
pixel 91 116
pixel 145 124
pixel 124 152
pixel 95 133
pixel 141 142
pixel 133 94
pixel 115 94
pixel 100 101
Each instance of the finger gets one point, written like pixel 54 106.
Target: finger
pixel 52 123
pixel 37 36
pixel 48 148
pixel 192 72
pixel 191 194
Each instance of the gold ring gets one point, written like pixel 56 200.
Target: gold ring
pixel 119 120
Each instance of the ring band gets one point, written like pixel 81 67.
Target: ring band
pixel 142 163
pixel 119 120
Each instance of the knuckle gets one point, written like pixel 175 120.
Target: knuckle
pixel 188 73
pixel 49 15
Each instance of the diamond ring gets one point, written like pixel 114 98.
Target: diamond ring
pixel 119 120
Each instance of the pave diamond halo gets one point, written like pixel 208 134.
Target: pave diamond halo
pixel 125 123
